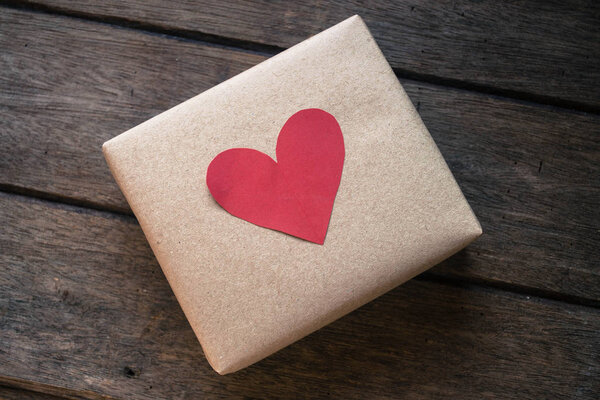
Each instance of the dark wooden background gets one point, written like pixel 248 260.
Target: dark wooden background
pixel 511 94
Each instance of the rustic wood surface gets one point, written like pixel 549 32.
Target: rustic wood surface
pixel 547 50
pixel 68 88
pixel 91 311
pixel 13 393
pixel 85 311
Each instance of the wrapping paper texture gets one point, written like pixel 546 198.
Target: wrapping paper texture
pixel 248 291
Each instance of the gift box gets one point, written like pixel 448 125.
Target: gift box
pixel 291 194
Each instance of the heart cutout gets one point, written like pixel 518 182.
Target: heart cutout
pixel 294 194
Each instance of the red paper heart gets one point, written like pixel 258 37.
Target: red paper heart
pixel 294 194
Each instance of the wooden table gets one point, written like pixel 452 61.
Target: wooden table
pixel 511 94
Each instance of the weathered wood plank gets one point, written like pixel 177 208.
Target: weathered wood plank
pixel 531 173
pixel 12 393
pixel 85 307
pixel 548 49
pixel 66 87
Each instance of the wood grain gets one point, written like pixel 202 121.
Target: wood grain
pixel 86 308
pixel 549 50
pixel 531 173
pixel 12 393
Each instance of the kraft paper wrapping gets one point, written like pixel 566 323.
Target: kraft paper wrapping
pixel 248 291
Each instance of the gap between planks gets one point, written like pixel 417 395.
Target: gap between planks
pixel 14 388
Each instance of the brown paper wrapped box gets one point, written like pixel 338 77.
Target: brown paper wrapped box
pixel 249 291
